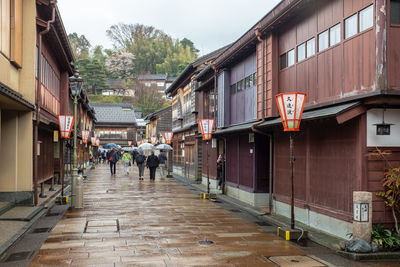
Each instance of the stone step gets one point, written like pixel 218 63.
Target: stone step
pixel 5 206
pixel 21 213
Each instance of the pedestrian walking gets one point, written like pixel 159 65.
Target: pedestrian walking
pixel 126 159
pixel 104 156
pixel 134 154
pixel 162 158
pixel 140 161
pixel 220 167
pixel 152 163
pixel 113 158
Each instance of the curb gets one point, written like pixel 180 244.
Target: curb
pixel 369 256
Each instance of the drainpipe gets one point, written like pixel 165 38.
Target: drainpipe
pixel 253 127
pixel 38 96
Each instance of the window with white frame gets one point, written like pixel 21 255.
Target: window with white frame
pixel 334 34
pixel 311 47
pixel 291 59
pixel 323 41
pixel 301 52
pixel 350 26
pixel 366 18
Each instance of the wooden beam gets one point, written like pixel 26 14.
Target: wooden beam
pixel 350 114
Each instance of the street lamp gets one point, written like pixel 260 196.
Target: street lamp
pixel 291 108
pixel 75 83
pixel 206 127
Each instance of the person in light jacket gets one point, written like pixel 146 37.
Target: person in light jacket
pixel 162 158
pixel 126 159
pixel 152 163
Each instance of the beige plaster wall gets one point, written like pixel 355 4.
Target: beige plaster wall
pixel 23 80
pixel 16 151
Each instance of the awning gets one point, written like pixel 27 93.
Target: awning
pixel 184 128
pixel 340 112
pixel 234 129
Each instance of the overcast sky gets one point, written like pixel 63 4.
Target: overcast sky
pixel 210 24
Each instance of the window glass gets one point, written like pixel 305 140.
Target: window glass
pixel 251 81
pixel 334 35
pixel 323 41
pixel 366 18
pixel 395 11
pixel 247 81
pixel 311 47
pixel 283 61
pixel 301 52
pixel 290 58
pixel 350 26
pixel 255 78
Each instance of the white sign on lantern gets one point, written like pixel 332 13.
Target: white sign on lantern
pixel 206 128
pixel 85 136
pixel 168 137
pixel 291 108
pixel 65 122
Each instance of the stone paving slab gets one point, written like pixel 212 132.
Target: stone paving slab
pixel 158 224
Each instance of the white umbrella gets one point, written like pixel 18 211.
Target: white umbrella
pixel 163 147
pixel 146 146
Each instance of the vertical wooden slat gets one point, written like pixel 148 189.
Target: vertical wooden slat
pixel 5 27
pixel 16 32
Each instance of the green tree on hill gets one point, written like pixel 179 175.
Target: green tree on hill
pixel 154 51
pixel 91 66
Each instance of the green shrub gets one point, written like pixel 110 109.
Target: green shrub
pixel 384 237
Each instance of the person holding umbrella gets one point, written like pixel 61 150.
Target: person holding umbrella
pixel 152 163
pixel 113 158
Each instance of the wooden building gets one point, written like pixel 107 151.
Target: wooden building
pixel 115 123
pixel 53 97
pixel 185 107
pixel 159 122
pixel 207 97
pixel 343 54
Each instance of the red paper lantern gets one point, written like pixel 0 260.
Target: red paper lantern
pixel 291 108
pixel 129 143
pixel 168 137
pixel 85 136
pixel 65 122
pixel 206 128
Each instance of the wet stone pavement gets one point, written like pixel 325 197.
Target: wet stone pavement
pixel 127 222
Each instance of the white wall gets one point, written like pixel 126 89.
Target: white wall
pixel 392 116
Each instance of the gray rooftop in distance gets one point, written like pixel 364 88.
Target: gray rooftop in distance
pixel 153 77
pixel 114 113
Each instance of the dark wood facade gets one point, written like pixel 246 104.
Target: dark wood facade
pixel 337 52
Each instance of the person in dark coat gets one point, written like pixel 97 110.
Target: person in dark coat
pixel 134 154
pixel 152 164
pixel 113 157
pixel 220 167
pixel 140 161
